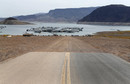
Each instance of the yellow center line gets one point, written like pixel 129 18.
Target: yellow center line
pixel 66 61
pixel 63 71
pixel 68 69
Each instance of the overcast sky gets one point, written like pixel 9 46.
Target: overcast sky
pixel 24 7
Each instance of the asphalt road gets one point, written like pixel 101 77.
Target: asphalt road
pixel 65 68
pixel 33 68
pixel 98 68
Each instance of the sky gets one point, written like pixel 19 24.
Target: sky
pixel 10 8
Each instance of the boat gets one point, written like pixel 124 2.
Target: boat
pixel 27 34
pixel 2 27
pixel 55 29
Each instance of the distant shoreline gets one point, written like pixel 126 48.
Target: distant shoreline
pixel 106 23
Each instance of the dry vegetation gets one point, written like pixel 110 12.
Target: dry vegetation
pixel 17 45
pixel 115 34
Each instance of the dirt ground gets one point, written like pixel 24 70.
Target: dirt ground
pixel 18 45
pixel 117 46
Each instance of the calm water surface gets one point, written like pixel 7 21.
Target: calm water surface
pixel 88 29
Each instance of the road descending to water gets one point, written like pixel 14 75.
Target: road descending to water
pixel 65 62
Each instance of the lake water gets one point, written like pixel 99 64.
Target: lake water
pixel 88 29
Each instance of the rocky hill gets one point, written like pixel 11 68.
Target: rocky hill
pixel 13 21
pixel 70 15
pixel 32 17
pixel 58 15
pixel 110 13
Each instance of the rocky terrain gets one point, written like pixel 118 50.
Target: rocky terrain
pixel 110 13
pixel 13 21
